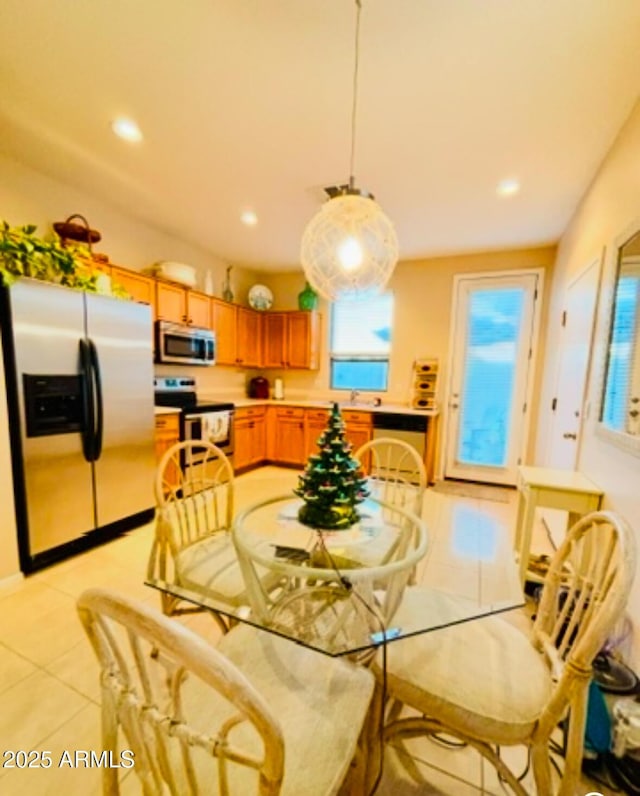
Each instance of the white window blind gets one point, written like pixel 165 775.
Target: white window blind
pixel 623 354
pixel 362 328
pixel 361 343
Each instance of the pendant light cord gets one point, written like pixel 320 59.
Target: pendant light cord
pixel 355 98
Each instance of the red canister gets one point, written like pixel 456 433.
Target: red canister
pixel 259 388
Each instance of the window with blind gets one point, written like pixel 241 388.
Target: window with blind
pixel 361 343
pixel 620 388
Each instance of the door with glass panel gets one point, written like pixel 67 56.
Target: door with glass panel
pixel 494 328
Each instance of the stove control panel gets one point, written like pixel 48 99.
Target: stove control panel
pixel 174 384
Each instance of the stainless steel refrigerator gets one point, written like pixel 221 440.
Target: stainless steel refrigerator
pixel 79 374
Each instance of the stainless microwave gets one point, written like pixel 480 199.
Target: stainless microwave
pixel 177 344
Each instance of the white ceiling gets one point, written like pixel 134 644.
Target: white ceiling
pixel 247 103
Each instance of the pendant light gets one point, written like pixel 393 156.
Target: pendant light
pixel 349 248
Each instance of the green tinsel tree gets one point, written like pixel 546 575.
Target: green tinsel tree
pixel 332 483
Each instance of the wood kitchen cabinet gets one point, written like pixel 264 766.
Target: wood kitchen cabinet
pixel 167 433
pixel 223 321
pixel 358 427
pixel 141 288
pixel 303 340
pixel 315 422
pixel 238 334
pixel 248 338
pixel 198 309
pixel 250 430
pixel 181 305
pixel 291 340
pixel 171 302
pixel 275 337
pixel 286 443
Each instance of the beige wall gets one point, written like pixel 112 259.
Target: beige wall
pixel 610 207
pixel 423 292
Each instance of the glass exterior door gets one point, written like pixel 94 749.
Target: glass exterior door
pixel 493 339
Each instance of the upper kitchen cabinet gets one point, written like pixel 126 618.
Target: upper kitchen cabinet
pixel 140 287
pixel 275 340
pixel 181 305
pixel 171 302
pixel 248 338
pixel 238 334
pixel 198 309
pixel 223 317
pixel 292 340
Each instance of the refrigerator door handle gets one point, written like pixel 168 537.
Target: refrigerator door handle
pixel 89 410
pixel 96 385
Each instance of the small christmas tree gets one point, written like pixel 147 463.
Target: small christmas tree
pixel 332 483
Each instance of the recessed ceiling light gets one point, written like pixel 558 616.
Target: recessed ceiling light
pixel 127 129
pixel 508 187
pixel 249 218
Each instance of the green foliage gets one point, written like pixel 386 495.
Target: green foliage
pixel 24 254
pixel 332 483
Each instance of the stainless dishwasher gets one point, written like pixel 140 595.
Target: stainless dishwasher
pixel 411 429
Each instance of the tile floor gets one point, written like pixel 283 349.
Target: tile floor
pixel 49 691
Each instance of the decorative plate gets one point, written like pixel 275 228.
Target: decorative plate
pixel 260 297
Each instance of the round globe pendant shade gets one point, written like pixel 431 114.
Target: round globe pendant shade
pixel 349 248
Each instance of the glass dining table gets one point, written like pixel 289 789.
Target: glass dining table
pixel 341 592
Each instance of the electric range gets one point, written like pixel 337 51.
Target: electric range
pixel 199 419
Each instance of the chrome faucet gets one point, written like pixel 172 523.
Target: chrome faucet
pixel 354 395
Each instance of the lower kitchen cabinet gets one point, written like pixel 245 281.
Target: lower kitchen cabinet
pixel 250 430
pixel 358 427
pixel 286 433
pixel 167 433
pixel 315 423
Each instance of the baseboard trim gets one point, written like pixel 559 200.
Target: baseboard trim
pixel 11 580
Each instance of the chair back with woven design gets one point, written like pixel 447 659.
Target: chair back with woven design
pixel 584 594
pixel 396 473
pixel 194 491
pixel 194 723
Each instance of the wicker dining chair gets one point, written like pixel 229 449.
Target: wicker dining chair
pixel 395 472
pixel 490 685
pixel 192 547
pixel 254 715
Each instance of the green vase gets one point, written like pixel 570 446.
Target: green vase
pixel 308 298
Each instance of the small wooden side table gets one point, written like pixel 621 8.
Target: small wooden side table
pixel 554 489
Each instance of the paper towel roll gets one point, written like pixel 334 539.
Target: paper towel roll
pixel 278 389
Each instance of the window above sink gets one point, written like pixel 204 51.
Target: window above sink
pixel 361 343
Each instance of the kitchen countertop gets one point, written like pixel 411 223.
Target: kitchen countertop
pixel 166 410
pixel 398 409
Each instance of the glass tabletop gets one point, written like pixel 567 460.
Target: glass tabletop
pixel 341 592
